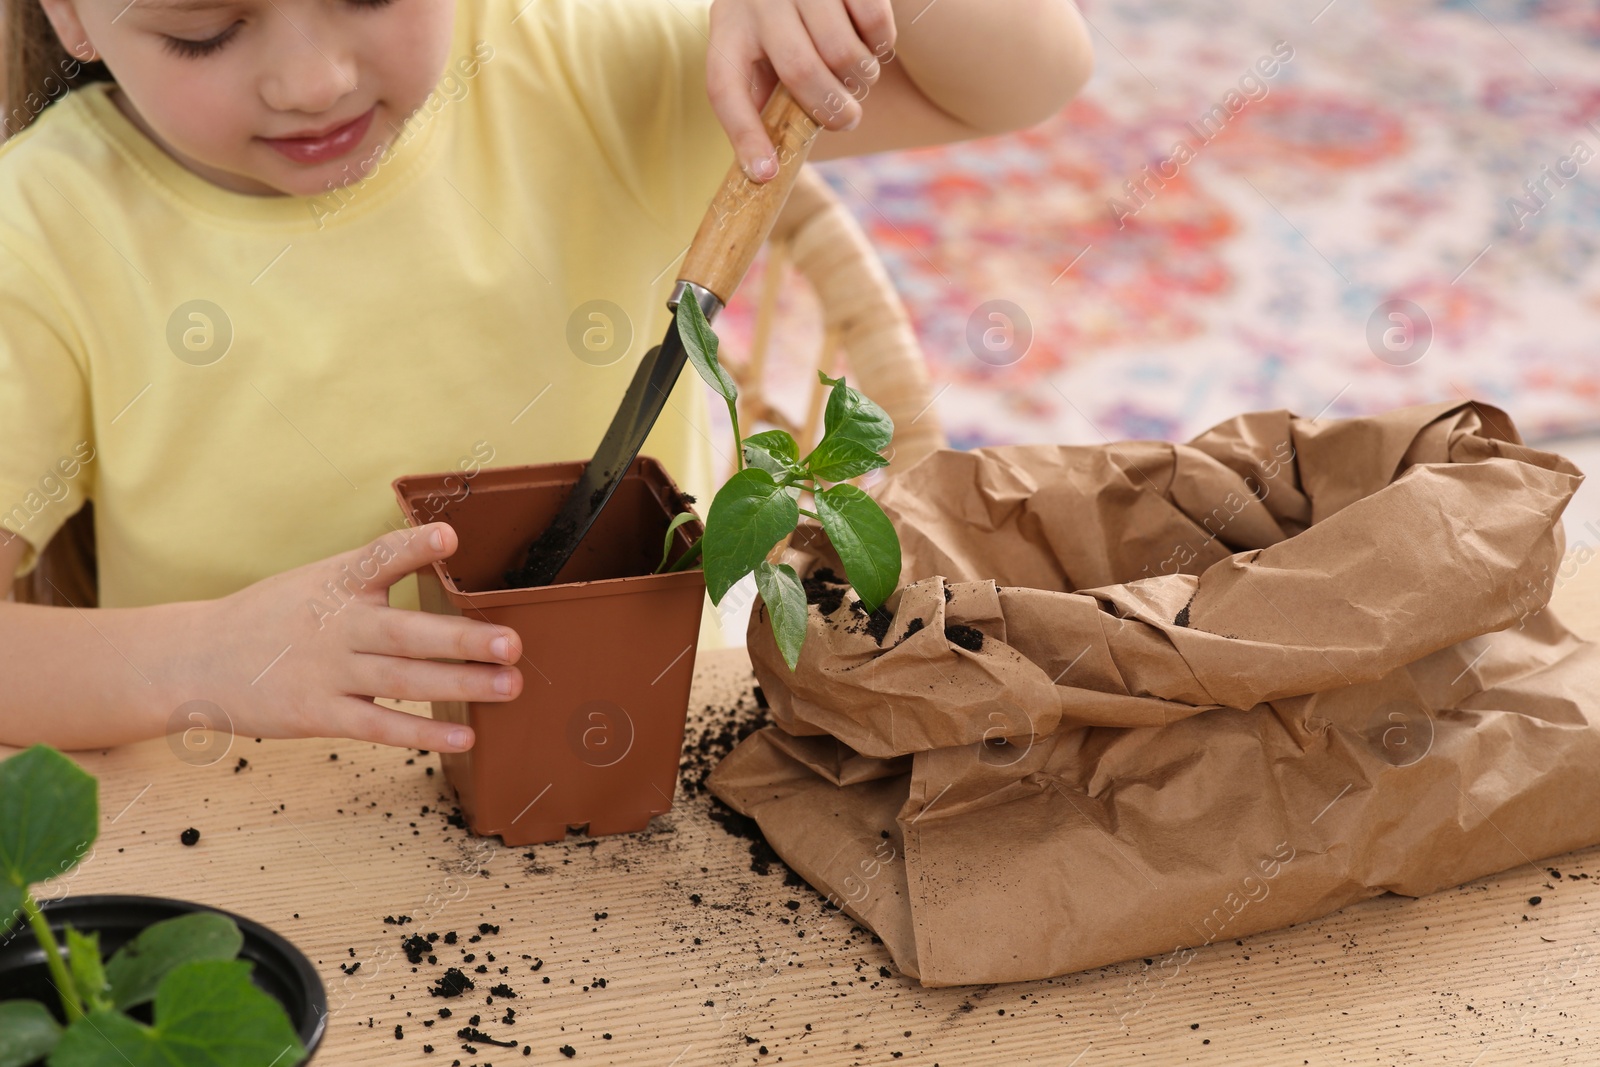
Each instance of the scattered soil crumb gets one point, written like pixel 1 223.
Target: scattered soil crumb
pixel 967 637
pixel 723 729
pixel 762 856
pixel 451 984
pixel 916 626
pixel 709 738
pixel 415 947
pixel 1182 618
pixel 472 1033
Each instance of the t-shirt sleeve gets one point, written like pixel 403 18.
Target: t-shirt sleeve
pixel 634 72
pixel 46 445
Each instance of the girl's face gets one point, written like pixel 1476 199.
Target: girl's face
pixel 266 96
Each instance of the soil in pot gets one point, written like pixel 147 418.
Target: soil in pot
pixel 279 969
pixel 609 649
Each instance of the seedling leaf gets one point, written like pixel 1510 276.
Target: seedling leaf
pixel 700 344
pixel 750 514
pixel 56 818
pixel 672 528
pixel 785 599
pixel 851 416
pixel 27 1032
pixel 206 1013
pixel 838 459
pixel 773 451
pixel 690 555
pixel 136 969
pixel 865 540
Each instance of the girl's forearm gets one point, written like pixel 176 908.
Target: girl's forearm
pixel 90 678
pixel 994 65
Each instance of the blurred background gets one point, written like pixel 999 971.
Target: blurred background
pixel 1330 206
pixel 1406 209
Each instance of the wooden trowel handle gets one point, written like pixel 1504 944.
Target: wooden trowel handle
pixel 743 211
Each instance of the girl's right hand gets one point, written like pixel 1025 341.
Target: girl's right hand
pixel 303 653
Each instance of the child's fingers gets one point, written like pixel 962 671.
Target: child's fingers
pixel 418 679
pixel 734 82
pixel 362 720
pixel 874 20
pixel 800 66
pixel 380 563
pixel 419 635
pixel 839 45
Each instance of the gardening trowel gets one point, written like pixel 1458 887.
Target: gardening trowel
pixel 735 225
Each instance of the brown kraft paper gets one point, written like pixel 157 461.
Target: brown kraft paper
pixel 1223 687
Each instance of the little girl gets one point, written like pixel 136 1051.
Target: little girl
pixel 260 257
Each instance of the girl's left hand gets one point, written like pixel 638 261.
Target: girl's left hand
pixel 828 52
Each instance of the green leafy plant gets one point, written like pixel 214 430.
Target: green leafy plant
pixel 205 1008
pixel 760 504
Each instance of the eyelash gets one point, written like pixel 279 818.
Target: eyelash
pixel 199 49
pixel 182 46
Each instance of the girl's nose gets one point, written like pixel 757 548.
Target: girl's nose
pixel 308 71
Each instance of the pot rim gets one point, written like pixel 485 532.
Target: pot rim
pixel 541 474
pixel 310 1030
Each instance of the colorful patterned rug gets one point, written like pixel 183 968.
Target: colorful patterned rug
pixel 1334 206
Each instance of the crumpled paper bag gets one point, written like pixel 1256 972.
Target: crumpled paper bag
pixel 1223 687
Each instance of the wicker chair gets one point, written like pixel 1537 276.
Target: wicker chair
pixel 864 322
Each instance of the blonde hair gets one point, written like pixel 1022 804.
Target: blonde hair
pixel 38 69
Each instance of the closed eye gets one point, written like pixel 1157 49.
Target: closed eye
pixel 197 49
pixel 182 46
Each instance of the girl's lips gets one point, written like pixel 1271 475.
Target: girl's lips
pixel 323 147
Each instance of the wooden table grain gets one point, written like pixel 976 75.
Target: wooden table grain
pixel 668 949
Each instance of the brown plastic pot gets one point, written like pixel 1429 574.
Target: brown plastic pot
pixel 594 740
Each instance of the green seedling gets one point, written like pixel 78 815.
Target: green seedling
pixel 761 504
pixel 205 1008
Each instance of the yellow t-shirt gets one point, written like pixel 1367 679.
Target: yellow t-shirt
pixel 236 380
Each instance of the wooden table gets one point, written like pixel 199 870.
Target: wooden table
pixel 667 949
